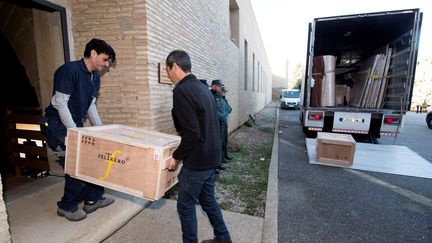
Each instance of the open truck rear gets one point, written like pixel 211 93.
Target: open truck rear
pixel 360 72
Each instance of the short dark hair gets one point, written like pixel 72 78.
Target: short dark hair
pixel 100 46
pixel 181 58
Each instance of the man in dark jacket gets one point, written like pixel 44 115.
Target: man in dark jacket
pixel 76 87
pixel 195 119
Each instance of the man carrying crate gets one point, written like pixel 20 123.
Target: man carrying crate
pixel 76 86
pixel 195 119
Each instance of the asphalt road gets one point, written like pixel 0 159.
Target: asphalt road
pixel 329 204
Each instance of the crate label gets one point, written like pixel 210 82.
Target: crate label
pixel 110 161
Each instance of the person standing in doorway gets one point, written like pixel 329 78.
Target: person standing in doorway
pixel 195 119
pixel 76 87
pixel 224 109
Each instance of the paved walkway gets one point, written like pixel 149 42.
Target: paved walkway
pixel 32 216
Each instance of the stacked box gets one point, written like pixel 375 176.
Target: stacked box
pixel 335 148
pixel 4 226
pixel 122 158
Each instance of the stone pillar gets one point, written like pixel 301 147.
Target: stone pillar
pixel 4 226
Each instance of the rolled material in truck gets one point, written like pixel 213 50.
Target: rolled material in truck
pixel 122 158
pixel 328 97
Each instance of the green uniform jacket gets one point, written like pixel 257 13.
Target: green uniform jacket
pixel 222 106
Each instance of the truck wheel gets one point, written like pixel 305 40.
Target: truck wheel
pixel 429 121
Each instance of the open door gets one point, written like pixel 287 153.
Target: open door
pixel 34 43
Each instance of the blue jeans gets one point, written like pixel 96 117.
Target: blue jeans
pixel 199 186
pixel 76 191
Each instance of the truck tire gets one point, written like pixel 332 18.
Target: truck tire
pixel 429 121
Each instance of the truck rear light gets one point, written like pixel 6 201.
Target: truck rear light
pixel 392 120
pixel 316 116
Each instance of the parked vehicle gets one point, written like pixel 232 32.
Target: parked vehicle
pixel 290 98
pixel 360 72
pixel 429 119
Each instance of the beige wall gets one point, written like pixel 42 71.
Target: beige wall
pixel 144 32
pixel 278 83
pixel 124 96
pixel 49 49
pixel 252 102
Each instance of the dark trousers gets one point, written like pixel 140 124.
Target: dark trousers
pixel 199 186
pixel 76 191
pixel 224 138
pixel 419 108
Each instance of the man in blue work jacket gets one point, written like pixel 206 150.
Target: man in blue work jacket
pixel 76 87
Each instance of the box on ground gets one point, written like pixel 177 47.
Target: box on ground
pixel 122 158
pixel 335 148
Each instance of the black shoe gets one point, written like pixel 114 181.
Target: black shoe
pixel 217 172
pixel 224 161
pixel 221 167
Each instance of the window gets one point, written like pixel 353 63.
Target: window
pixel 258 78
pixel 245 64
pixel 234 21
pixel 262 80
pixel 253 72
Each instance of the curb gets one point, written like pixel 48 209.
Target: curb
pixel 270 227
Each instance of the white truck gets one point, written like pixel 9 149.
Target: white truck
pixel 359 73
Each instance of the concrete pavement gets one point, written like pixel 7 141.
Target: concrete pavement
pixel 330 204
pixel 160 223
pixel 32 216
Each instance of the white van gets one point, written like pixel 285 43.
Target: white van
pixel 290 98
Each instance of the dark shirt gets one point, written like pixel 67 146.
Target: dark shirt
pixel 74 79
pixel 196 121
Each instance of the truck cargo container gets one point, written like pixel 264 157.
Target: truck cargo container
pixel 360 73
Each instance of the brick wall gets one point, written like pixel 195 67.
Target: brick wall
pixel 4 226
pixel 124 94
pixel 144 32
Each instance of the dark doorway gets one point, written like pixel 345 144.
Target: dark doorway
pixel 33 43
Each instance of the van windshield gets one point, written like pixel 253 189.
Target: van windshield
pixel 291 94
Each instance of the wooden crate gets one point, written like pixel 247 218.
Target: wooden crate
pixel 335 148
pixel 122 158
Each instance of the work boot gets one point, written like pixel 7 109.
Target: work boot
pixel 76 215
pixel 91 206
